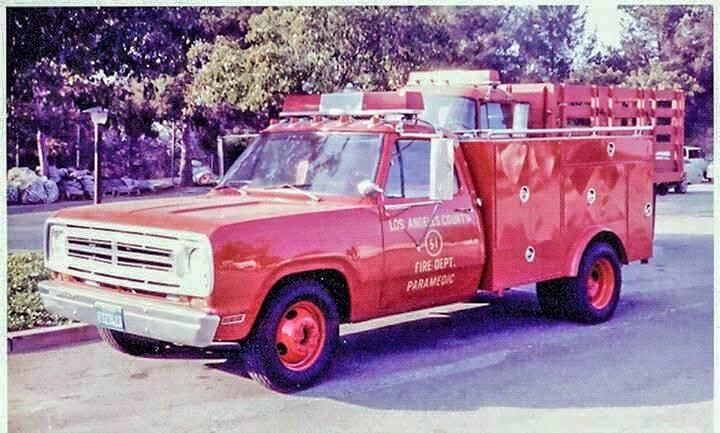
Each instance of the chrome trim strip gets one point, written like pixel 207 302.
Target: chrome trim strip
pixel 138 230
pixel 590 131
pixel 145 317
pixel 402 206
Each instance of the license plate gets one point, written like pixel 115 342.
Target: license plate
pixel 109 316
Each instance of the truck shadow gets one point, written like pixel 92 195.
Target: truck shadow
pixel 502 354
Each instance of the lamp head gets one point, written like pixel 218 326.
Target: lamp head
pixel 98 115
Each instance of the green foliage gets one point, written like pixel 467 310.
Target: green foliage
pixel 673 46
pixel 325 48
pixel 604 68
pixel 478 38
pixel 64 60
pixel 25 308
pixel 213 70
pixel 547 41
pixel 231 22
pixel 658 76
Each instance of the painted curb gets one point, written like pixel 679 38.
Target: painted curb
pixel 51 337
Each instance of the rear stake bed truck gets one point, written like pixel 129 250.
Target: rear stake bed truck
pixel 352 207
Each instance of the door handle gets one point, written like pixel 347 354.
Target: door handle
pixel 463 209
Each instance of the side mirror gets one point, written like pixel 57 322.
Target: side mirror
pixel 442 168
pixel 368 188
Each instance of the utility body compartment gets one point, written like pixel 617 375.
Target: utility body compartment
pixel 544 200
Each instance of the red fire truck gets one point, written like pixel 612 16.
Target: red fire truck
pixel 462 100
pixel 354 206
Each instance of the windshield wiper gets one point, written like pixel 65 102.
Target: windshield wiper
pixel 230 183
pixel 310 195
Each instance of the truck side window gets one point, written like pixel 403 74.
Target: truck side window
pixel 451 112
pixel 493 116
pixel 409 175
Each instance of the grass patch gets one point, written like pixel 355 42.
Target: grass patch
pixel 25 309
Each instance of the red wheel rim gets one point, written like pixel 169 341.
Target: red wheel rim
pixel 300 335
pixel 601 283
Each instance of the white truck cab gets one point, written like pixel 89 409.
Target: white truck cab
pixel 695 164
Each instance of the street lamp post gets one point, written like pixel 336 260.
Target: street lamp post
pixel 99 116
pixel 17 150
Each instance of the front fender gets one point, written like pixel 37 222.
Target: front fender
pixel 302 265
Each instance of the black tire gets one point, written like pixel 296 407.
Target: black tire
pixel 301 306
pixel 661 189
pixel 681 188
pixel 130 344
pixel 594 294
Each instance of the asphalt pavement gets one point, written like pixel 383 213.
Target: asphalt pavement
pixel 476 367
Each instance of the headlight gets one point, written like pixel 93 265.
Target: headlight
pixel 57 247
pixel 197 270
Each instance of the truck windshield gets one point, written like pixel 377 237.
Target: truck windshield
pixel 451 112
pixel 331 163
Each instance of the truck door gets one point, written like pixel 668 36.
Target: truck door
pixel 433 252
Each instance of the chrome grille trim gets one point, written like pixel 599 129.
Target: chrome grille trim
pixel 125 256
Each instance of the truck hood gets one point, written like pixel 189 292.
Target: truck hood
pixel 200 214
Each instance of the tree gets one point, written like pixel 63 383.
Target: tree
pixel 672 46
pixel 324 48
pixel 63 60
pixel 548 40
pixel 604 68
pixel 481 39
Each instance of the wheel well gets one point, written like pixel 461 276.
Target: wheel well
pixel 333 281
pixel 611 239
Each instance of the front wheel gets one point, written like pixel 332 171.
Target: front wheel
pixel 130 344
pixel 681 188
pixel 293 343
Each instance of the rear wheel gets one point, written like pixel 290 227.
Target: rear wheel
pixel 590 297
pixel 293 343
pixel 681 188
pixel 595 292
pixel 130 344
pixel 661 189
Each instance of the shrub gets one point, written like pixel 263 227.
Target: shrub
pixel 25 309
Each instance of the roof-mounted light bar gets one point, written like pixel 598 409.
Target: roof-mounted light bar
pixel 357 104
pixel 300 105
pixel 455 78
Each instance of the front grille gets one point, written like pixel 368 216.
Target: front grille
pixel 124 258
pixel 120 253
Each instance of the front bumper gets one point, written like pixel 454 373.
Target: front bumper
pixel 144 317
